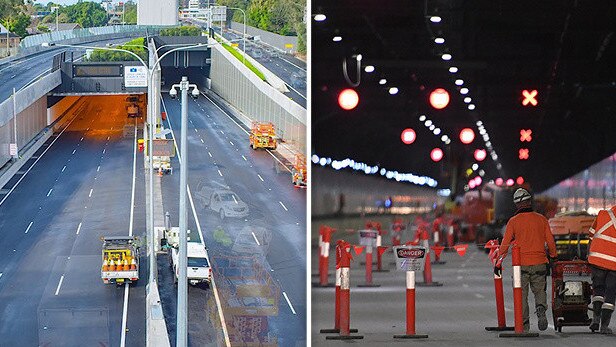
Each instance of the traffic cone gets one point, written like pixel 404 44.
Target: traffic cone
pixel 160 172
pixel 105 265
pixel 112 266
pixel 126 266
pixel 133 264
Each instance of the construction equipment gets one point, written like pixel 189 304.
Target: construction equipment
pixel 570 298
pixel 570 232
pixel 120 259
pixel 262 135
pixel 298 173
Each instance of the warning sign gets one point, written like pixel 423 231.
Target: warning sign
pixel 367 237
pixel 163 148
pixel 410 258
pixel 135 76
pixel 12 149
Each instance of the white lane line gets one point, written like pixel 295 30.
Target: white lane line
pixel 78 229
pixel 222 132
pixel 74 150
pixel 98 168
pixel 244 158
pixel 220 173
pixel 59 284
pixel 289 302
pixel 255 237
pixel 0 274
pixel 194 211
pixel 196 130
pixel 283 206
pixel 108 138
pixel 64 168
pixel 104 150
pixel 261 178
pixel 81 139
pixel 130 233
pixel 479 296
pixel 49 192
pixel 202 141
pixel 90 195
pixel 297 91
pixel 28 228
pixel 210 154
pixel 13 76
pixel 231 143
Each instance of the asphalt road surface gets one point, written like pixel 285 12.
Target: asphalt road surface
pixel 259 260
pixel 455 314
pixel 51 293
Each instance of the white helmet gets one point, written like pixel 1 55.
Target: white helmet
pixel 520 195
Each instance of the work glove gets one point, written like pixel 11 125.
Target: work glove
pixel 498 271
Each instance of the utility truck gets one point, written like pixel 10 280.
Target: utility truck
pixel 198 266
pixel 120 259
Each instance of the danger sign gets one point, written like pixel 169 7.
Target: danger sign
pixel 410 258
pixel 367 237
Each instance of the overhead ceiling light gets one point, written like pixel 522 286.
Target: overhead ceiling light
pixel 369 68
pixel 382 81
pixel 444 138
pixel 475 166
pixel 467 100
pixel 479 123
pixel 453 69
pixel 471 107
pixel 422 118
pixel 464 91
pixel 437 131
pixel 439 40
pixel 320 17
pixel 459 82
pixel 428 123
pixel 435 19
pixel 446 56
pixel 393 90
pixel 448 141
pixel 337 38
pixel 432 127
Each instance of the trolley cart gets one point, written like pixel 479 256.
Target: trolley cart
pixel 570 297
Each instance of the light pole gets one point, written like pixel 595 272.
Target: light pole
pixel 55 9
pixel 182 316
pixel 244 37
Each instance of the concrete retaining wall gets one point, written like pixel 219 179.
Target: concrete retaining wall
pixel 274 40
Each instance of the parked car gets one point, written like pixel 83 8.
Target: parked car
pixel 222 201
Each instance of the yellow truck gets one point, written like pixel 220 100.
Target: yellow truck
pixel 262 135
pixel 120 259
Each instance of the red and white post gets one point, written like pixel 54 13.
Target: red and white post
pixel 500 306
pixel 427 274
pixel 369 250
pixel 410 309
pixel 345 296
pixel 517 296
pixel 324 256
pixel 341 244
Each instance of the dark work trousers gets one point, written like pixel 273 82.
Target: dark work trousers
pixel 604 283
pixel 533 276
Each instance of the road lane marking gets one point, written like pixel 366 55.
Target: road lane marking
pixel 231 143
pixel 98 168
pixel 283 206
pixel 261 178
pixel 78 229
pixel 222 132
pixel 0 274
pixel 220 173
pixel 255 237
pixel 74 150
pixel 13 76
pixel 49 193
pixel 104 150
pixel 194 211
pixel 81 139
pixel 210 154
pixel 64 168
pixel 107 138
pixel 90 195
pixel 196 130
pixel 202 141
pixel 28 228
pixel 59 284
pixel 479 296
pixel 289 302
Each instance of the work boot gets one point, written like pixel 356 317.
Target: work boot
pixel 606 315
pixel 543 320
pixel 596 315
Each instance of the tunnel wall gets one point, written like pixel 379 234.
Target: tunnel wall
pixel 256 99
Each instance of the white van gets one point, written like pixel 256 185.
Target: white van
pixel 199 270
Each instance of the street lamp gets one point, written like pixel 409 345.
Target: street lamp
pixel 182 316
pixel 244 37
pixel 55 9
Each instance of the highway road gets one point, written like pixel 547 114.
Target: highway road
pixel 21 72
pixel 76 190
pixel 266 248
pixel 452 315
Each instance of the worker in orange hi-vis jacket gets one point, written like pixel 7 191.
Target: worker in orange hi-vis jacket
pixel 531 232
pixel 602 258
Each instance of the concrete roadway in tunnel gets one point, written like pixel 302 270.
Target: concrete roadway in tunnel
pixel 20 72
pixel 268 245
pixel 51 293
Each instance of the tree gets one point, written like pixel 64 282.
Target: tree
pixel 87 14
pixel 186 30
pixel 43 28
pixel 130 13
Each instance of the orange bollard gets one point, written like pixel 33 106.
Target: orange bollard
pixel 427 274
pixel 325 233
pixel 498 289
pixel 410 309
pixel 368 282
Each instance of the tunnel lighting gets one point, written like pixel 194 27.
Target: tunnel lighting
pixel 519 180
pixel 489 144
pixel 437 131
pixel 436 155
pixel 369 68
pixel 393 90
pixel 435 19
pixel 510 182
pixel 337 38
pixel 444 138
pixel 478 180
pixel 428 123
pixel 382 81
pixel 479 123
pixel 432 127
pixel 453 69
pixel 459 82
pixel 439 40
pixel 482 173
pixel 480 154
pixel 499 166
pixel 464 91
pixel 472 184
pixel 448 141
pixel 319 17
pixel 446 56
pixel 499 181
pixel 408 136
pixel 467 100
pixel 439 98
pixel 315 158
pixel 348 99
pixel 471 107
pixel 467 135
pixel 422 118
pixel 475 166
pixel 323 161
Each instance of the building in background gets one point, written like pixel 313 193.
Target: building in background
pixel 13 42
pixel 157 12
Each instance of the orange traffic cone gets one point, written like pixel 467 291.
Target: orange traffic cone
pixel 133 264
pixel 126 266
pixel 112 266
pixel 105 265
pixel 160 172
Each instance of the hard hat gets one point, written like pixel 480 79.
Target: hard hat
pixel 520 195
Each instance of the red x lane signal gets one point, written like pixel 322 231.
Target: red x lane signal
pixel 523 153
pixel 529 97
pixel 526 135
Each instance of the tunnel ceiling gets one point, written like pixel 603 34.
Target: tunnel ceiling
pixel 563 49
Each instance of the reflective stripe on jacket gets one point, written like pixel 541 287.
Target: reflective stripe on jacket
pixel 603 245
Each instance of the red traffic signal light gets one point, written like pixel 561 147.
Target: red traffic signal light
pixel 467 135
pixel 348 99
pixel 439 98
pixel 436 155
pixel 408 136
